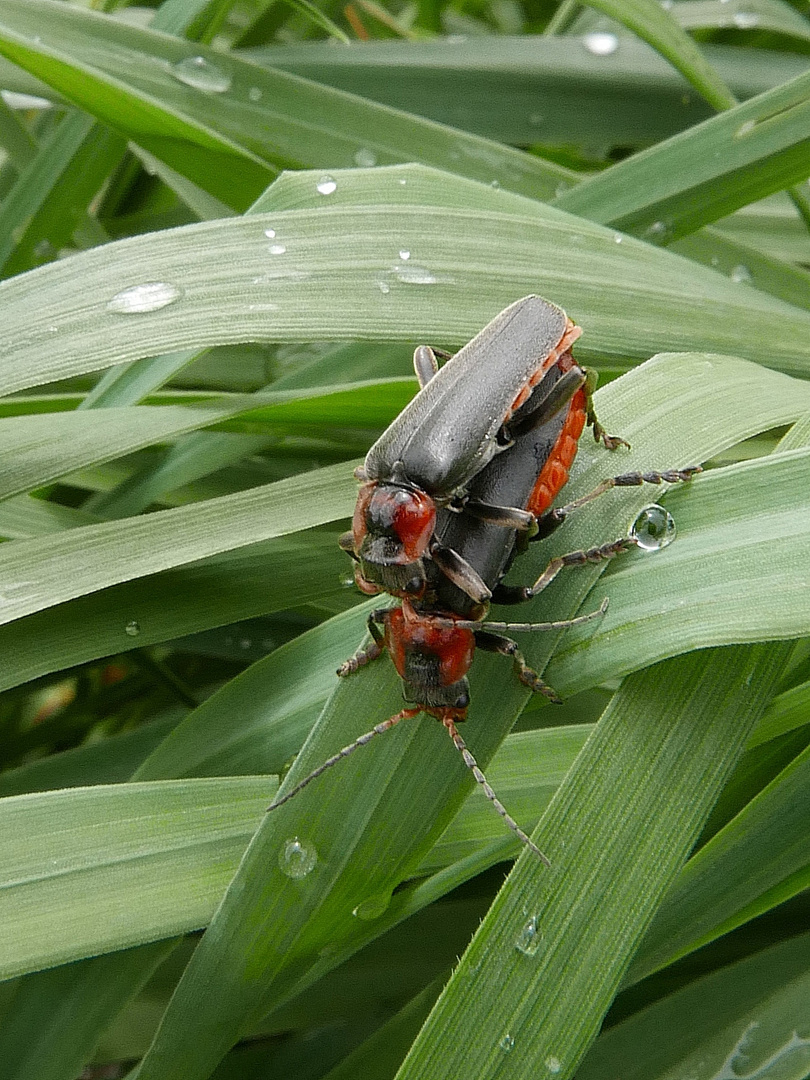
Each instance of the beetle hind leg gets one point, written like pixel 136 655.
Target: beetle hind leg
pixel 372 651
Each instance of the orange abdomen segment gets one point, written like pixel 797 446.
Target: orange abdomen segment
pixel 554 474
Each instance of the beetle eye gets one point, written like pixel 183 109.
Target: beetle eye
pixel 414 586
pixel 462 701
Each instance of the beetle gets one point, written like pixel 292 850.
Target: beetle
pixel 466 413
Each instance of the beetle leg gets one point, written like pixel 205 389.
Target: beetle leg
pixel 474 768
pixel 545 408
pixel 378 729
pixel 528 676
pixel 516 594
pixel 365 656
pixel 612 442
pixel 507 516
pixel 426 363
pixel 514 628
pixel 549 522
pixel 346 543
pixel 460 572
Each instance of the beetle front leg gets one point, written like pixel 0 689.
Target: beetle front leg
pixel 552 520
pixel 517 594
pixel 508 517
pixel 460 572
pixel 507 647
pixel 365 656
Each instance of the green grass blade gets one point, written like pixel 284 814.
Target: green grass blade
pixel 707 172
pixel 747 1019
pixel 659 28
pixel 773 15
pixel 327 282
pixel 617 832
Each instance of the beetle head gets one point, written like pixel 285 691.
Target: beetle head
pixel 392 526
pixel 431 658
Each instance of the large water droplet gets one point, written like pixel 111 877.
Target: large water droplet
pixel 327 185
pixel 269 233
pixel 296 858
pixel 414 274
pixel 740 275
pixel 373 907
pixel 601 43
pixel 132 629
pixel 529 938
pixel 201 74
pixel 150 296
pixel 507 1043
pixel 745 20
pixel 404 255
pixel 654 528
pixel 365 158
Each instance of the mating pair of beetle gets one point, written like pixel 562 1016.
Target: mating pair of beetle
pixel 452 491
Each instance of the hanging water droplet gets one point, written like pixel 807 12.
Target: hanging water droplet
pixel 254 93
pixel 365 158
pixel 132 629
pixel 529 938
pixel 372 908
pixel 745 20
pixel 327 185
pixel 745 129
pixel 617 238
pixel 269 233
pixel 740 274
pixel 277 249
pixel 150 296
pixel 553 1065
pixel 296 858
pixel 601 43
pixel 507 1043
pixel 535 119
pixel 654 528
pixel 201 74
pixel 404 255
pixel 414 274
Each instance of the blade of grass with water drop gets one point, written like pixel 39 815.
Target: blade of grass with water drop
pixel 703 174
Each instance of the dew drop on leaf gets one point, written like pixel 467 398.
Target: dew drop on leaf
pixel 150 296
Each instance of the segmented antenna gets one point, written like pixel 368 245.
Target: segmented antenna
pixel 458 742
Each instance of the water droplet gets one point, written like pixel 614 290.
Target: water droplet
pixel 561 189
pixel 327 185
pixel 667 5
pixel 455 39
pixel 553 1063
pixel 654 528
pixel 745 20
pixel 201 74
pixel 245 643
pixel 535 119
pixel 507 1043
pixel 601 43
pixel 404 255
pixel 44 251
pixel 495 184
pixel 277 249
pixel 150 296
pixel 745 129
pixel 714 261
pixel 296 859
pixel 403 181
pixel 383 286
pixel 346 581
pixel 132 629
pixel 617 238
pixel 529 938
pixel 365 158
pixel 414 274
pixel 269 233
pixel 657 232
pixel 254 93
pixel 740 275
pixel 372 908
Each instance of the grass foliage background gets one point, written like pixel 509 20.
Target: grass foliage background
pixel 224 224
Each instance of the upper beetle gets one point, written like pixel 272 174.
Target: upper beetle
pixel 449 432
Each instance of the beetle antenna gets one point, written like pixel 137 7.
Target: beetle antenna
pixel 378 729
pixel 472 765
